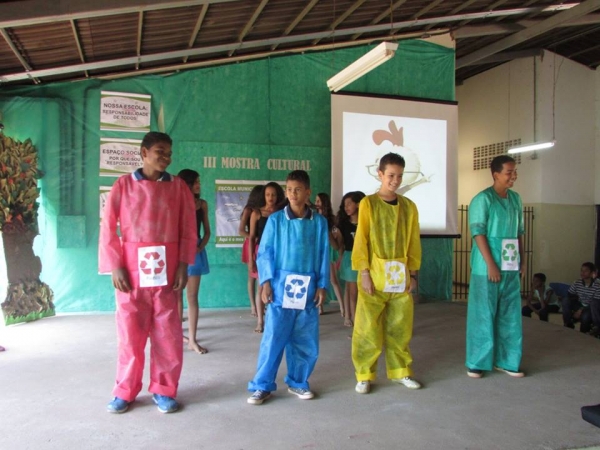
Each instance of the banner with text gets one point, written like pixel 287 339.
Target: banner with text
pixel 231 198
pixel 122 111
pixel 119 156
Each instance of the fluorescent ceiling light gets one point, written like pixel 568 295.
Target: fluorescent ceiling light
pixel 363 65
pixel 532 147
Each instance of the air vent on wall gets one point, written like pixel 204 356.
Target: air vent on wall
pixel 482 156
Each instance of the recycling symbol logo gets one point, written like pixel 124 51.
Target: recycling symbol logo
pixel 295 289
pixel 152 264
pixel 509 252
pixel 394 274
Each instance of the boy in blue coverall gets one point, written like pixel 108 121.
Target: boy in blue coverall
pixel 293 269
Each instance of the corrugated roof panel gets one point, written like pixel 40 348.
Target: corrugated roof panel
pixel 48 45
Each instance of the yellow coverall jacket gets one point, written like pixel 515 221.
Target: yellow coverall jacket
pixel 385 233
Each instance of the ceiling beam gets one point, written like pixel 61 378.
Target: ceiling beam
pixel 427 8
pixel 544 26
pixel 383 15
pixel 17 53
pixel 472 31
pixel 78 43
pixel 277 41
pixel 197 27
pixel 492 7
pixel 585 50
pixel 509 56
pixel 36 12
pixel 250 23
pixel 298 19
pixel 573 36
pixel 343 17
pixel 140 30
pixel 250 57
pixel 459 8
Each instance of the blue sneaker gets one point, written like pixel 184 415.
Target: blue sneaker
pixel 165 404
pixel 117 406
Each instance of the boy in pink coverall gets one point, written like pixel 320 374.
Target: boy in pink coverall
pixel 155 213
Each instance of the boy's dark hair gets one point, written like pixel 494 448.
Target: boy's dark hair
pixel 280 195
pixel 189 176
pixel 498 163
pixel 540 276
pixel 391 158
pixel 155 137
pixel 589 265
pixel 356 197
pixel 301 176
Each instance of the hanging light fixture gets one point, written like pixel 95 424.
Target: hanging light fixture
pixel 542 145
pixel 532 147
pixel 362 66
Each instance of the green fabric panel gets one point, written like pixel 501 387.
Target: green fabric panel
pixel 435 276
pixel 276 108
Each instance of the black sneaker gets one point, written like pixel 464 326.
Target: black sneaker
pixel 475 373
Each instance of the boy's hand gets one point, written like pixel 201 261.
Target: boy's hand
pixel 267 293
pixel 120 280
pixel 320 297
pixel 413 286
pixel 493 273
pixel 367 283
pixel 180 277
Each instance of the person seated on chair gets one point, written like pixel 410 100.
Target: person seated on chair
pixel 541 299
pixel 595 310
pixel 576 306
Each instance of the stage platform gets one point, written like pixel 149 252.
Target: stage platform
pixel 57 375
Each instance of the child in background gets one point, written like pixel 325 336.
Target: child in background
pixel 323 206
pixel 244 230
pixel 148 261
pixel 200 266
pixel 541 299
pixel 271 198
pixel 293 267
pixel 387 252
pixel 347 220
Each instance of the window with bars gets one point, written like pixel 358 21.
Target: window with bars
pixel 483 155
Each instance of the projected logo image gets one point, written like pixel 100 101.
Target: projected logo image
pixel 413 176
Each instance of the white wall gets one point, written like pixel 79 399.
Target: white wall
pixel 562 183
pixel 485 117
pixel 564 174
pixel 568 169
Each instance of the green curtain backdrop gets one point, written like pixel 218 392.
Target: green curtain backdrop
pixel 276 108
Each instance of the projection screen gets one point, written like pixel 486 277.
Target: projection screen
pixel 424 132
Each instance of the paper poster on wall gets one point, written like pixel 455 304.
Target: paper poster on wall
pixel 119 156
pixel 123 111
pixel 231 198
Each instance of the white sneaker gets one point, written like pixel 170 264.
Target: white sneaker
pixel 363 387
pixel 512 373
pixel 409 382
